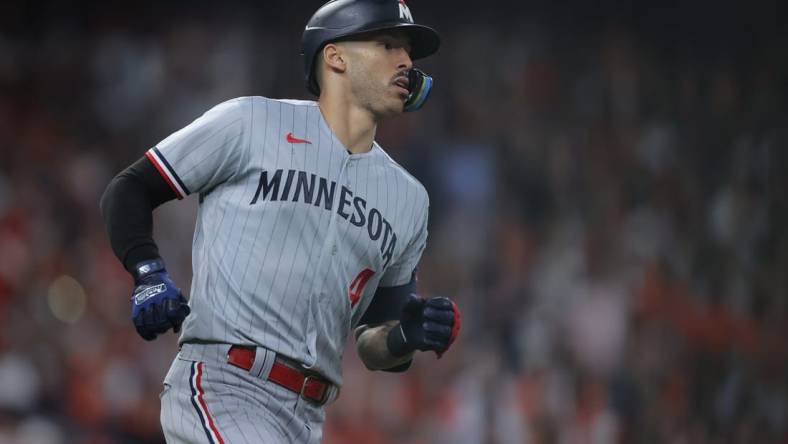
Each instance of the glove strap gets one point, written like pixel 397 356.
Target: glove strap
pixel 148 267
pixel 397 343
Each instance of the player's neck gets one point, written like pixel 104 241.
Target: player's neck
pixel 353 126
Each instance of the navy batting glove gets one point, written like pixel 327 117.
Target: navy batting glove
pixel 426 324
pixel 157 304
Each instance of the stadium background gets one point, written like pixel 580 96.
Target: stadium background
pixel 608 207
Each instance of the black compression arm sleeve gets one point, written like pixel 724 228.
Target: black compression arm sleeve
pixel 127 206
pixel 387 303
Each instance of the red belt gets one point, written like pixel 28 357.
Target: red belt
pixel 313 388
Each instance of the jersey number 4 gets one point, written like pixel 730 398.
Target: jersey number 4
pixel 357 286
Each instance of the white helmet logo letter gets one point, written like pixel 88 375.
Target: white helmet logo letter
pixel 404 11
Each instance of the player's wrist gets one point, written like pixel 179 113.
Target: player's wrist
pixel 397 343
pixel 148 267
pixel 138 254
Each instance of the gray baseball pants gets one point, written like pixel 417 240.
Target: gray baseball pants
pixel 207 400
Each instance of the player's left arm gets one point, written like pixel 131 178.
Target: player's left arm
pixel 381 317
pixel 398 323
pixel 373 351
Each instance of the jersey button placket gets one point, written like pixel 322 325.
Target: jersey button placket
pixel 332 228
pixel 346 165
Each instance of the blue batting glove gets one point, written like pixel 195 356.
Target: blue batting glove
pixel 425 324
pixel 157 304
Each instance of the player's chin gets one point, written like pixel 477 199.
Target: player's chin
pixel 390 108
pixel 391 103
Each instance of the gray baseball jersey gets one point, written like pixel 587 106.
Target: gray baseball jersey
pixel 294 233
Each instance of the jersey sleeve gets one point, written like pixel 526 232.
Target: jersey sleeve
pixel 401 270
pixel 206 152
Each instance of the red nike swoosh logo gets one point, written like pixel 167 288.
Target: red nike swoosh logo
pixel 291 139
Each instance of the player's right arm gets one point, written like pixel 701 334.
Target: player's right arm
pixel 197 158
pixel 157 303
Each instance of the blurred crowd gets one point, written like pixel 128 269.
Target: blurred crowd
pixel 608 207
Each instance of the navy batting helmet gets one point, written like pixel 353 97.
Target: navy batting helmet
pixel 340 19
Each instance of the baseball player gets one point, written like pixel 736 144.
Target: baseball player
pixel 306 230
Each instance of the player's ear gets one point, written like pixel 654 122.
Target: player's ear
pixel 334 57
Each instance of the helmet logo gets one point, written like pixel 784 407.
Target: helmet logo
pixel 404 11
